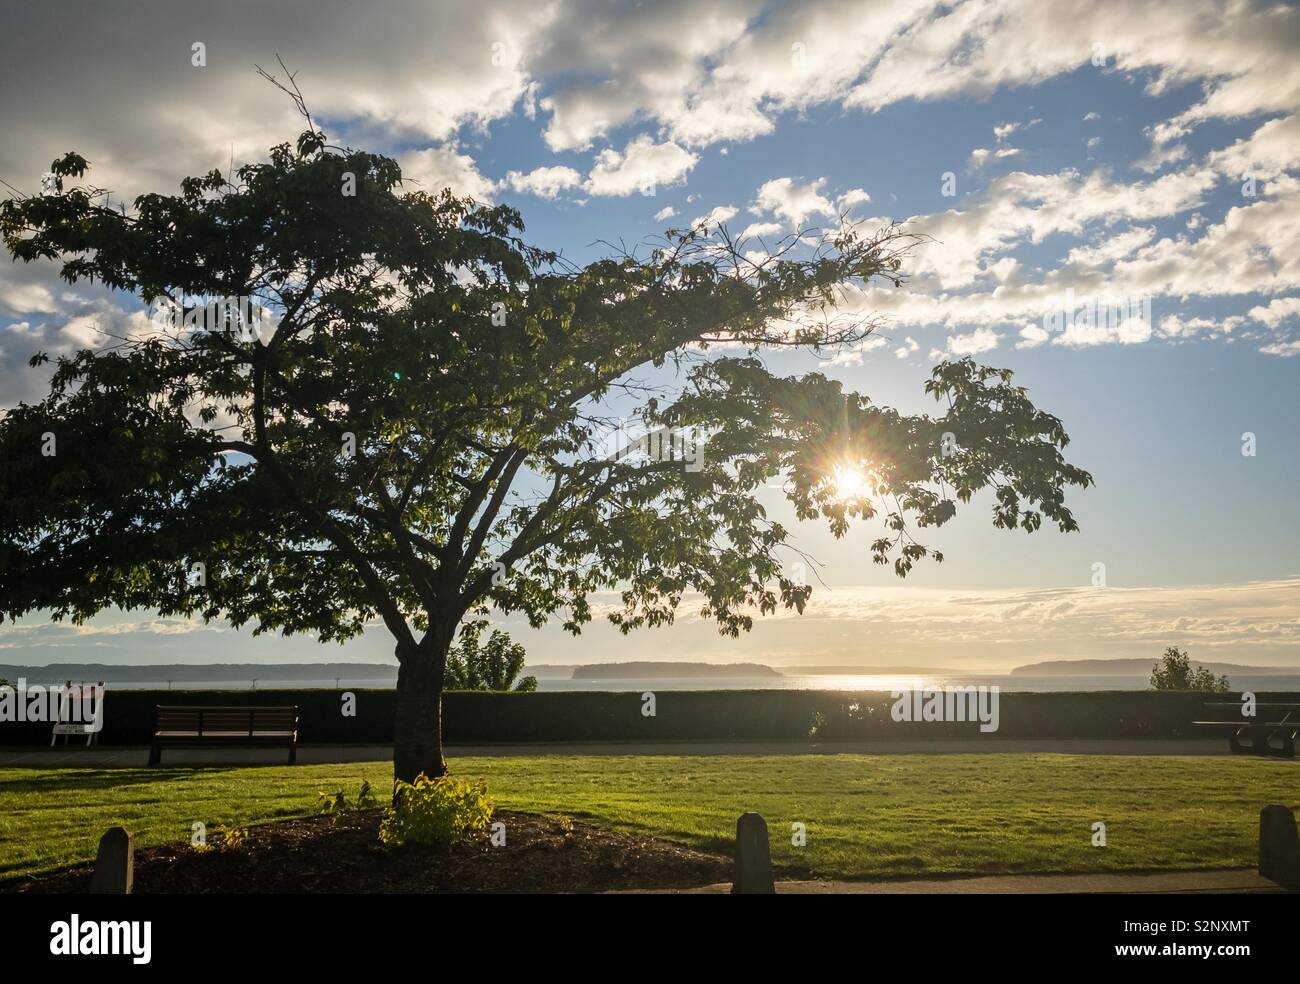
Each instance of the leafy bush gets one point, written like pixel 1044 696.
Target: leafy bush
pixel 435 811
pixel 1174 672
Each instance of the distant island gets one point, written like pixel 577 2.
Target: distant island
pixel 200 672
pixel 1137 667
pixel 650 668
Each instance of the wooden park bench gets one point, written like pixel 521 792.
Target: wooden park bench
pixel 249 727
pixel 1260 734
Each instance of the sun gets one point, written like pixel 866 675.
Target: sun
pixel 849 482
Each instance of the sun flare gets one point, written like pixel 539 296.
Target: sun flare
pixel 849 482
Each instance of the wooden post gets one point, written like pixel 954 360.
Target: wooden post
pixel 114 864
pixel 753 857
pixel 1279 846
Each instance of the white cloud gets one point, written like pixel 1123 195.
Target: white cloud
pixel 1285 349
pixel 727 73
pixel 86 331
pixel 1271 149
pixel 852 198
pixel 909 347
pixel 436 168
pixel 982 155
pixel 980 630
pixel 545 182
pixel 1110 248
pixel 1081 334
pixel 1277 311
pixel 27 298
pixel 1021 208
pixel 1176 326
pixel 980 340
pixel 792 202
pixel 760 230
pixel 716 217
pixel 1005 270
pixel 667 212
pixel 1031 336
pixel 641 167
pixel 853 355
pixel 724 72
pixel 1162 155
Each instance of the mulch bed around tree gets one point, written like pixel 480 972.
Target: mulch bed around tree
pixel 342 854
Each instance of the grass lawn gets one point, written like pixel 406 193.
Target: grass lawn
pixel 866 815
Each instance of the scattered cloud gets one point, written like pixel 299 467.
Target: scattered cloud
pixel 793 203
pixel 545 182
pixel 641 167
pixel 436 168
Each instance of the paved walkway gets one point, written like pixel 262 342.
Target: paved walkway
pixel 1236 880
pixel 76 755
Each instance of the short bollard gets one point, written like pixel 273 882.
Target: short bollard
pixel 114 864
pixel 1279 846
pixel 753 857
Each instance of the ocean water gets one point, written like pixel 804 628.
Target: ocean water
pixel 865 681
pixel 819 681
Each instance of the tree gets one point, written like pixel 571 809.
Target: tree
pixel 491 667
pixel 1174 672
pixel 413 436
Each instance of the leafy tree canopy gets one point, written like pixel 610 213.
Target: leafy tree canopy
pixel 493 666
pixel 416 436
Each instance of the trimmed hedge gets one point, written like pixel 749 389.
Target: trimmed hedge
pixel 472 717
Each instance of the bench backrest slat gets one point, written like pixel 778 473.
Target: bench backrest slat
pixel 226 720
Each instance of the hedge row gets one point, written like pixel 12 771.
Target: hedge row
pixel 719 714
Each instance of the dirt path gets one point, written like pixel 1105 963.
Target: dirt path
pixel 1230 880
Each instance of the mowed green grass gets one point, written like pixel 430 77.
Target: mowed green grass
pixel 866 815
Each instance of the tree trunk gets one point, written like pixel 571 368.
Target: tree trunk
pixel 417 738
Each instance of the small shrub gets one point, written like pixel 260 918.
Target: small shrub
pixel 435 811
pixel 1174 672
pixel 333 803
pixel 225 839
pixel 337 802
pixel 366 797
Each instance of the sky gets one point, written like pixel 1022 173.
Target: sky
pixel 1145 154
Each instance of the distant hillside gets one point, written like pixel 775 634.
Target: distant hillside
pixel 549 671
pixel 200 673
pixel 643 669
pixel 1138 667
